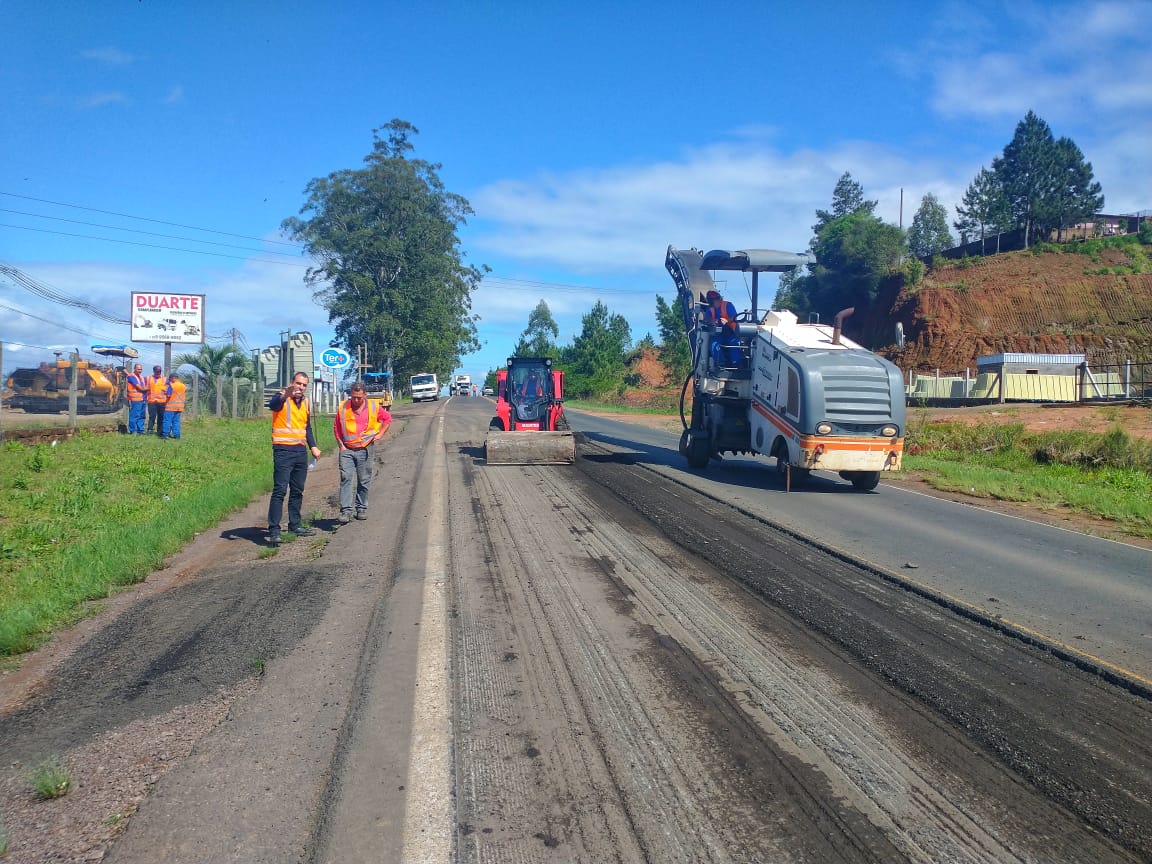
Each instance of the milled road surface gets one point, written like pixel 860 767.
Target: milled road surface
pixel 594 663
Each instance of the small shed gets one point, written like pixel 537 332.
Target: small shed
pixel 1032 377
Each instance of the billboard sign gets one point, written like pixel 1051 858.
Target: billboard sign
pixel 336 358
pixel 159 317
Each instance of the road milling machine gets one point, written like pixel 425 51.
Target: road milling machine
pixel 769 385
pixel 530 427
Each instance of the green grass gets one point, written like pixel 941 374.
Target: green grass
pixel 50 779
pixel 670 406
pixel 1103 475
pixel 97 512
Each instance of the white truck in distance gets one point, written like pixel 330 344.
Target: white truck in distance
pixel 425 386
pixel 463 385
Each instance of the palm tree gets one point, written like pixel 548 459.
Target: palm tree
pixel 216 364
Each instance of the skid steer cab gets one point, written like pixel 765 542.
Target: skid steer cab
pixel 530 398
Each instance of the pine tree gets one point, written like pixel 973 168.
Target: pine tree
pixel 929 233
pixel 983 210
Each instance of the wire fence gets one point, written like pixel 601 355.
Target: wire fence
pixel 1097 382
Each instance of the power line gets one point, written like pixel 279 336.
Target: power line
pixel 146 219
pixel 46 291
pixel 149 233
pixel 156 245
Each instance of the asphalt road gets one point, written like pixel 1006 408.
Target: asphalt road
pixel 1091 596
pixel 618 660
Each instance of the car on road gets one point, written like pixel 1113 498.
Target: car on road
pixel 488 391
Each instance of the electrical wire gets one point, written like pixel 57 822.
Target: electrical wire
pixel 149 233
pixel 157 246
pixel 43 289
pixel 145 219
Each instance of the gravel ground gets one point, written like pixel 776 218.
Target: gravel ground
pixel 110 776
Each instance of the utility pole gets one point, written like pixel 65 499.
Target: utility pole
pixel 361 362
pixel 74 360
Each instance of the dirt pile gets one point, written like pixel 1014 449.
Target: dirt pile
pixel 1047 302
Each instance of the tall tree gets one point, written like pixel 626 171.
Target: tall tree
pixel 854 254
pixel 674 349
pixel 928 233
pixel 595 361
pixel 387 260
pixel 847 199
pixel 539 337
pixel 983 210
pixel 1075 197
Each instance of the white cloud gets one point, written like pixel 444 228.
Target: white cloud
pixel 175 95
pixel 108 56
pixel 99 100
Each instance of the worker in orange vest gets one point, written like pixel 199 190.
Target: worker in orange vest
pixel 174 407
pixel 137 391
pixel 358 424
pixel 157 395
pixel 292 440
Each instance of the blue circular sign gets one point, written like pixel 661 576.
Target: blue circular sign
pixel 336 358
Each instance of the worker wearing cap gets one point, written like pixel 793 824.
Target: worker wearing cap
pixel 359 422
pixel 174 407
pixel 137 392
pixel 156 397
pixel 719 310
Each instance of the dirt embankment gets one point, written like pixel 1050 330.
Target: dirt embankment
pixel 1044 303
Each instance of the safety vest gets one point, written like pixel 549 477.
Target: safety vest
pixel 359 440
pixel 176 400
pixel 157 389
pixel 725 313
pixel 136 388
pixel 290 423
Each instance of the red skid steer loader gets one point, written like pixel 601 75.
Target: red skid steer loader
pixel 530 427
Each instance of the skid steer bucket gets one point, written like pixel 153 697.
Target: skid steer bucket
pixel 530 448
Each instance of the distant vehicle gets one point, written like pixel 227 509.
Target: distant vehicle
pixel 463 384
pixel 378 385
pixel 488 391
pixel 425 386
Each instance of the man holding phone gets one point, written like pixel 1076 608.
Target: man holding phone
pixel 292 441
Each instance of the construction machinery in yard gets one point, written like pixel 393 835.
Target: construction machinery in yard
pixel 801 393
pixel 44 389
pixel 530 427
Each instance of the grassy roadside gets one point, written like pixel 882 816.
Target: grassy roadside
pixel 671 405
pixel 1106 475
pixel 80 519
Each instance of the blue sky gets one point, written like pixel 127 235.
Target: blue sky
pixel 587 139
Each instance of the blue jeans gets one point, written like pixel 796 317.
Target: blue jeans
pixel 172 423
pixel 355 478
pixel 289 473
pixel 136 413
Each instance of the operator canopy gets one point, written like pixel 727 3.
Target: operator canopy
pixel 754 260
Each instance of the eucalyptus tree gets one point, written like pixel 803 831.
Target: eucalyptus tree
pixel 539 337
pixel 387 262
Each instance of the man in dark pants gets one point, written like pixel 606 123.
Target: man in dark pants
pixel 292 441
